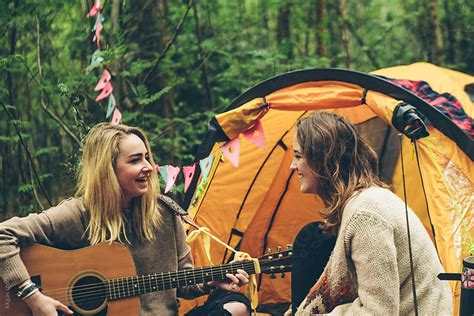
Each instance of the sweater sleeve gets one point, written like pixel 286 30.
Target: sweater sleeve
pixel 371 244
pixel 185 261
pixel 55 226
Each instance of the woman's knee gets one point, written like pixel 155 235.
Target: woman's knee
pixel 237 308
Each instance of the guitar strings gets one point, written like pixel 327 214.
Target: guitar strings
pixel 87 293
pixel 171 275
pixel 91 290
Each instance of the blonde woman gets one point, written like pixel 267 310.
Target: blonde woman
pixel 117 200
pixel 368 271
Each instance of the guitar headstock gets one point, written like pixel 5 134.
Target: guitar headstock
pixel 277 262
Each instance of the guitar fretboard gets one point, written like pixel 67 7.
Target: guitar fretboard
pixel 138 285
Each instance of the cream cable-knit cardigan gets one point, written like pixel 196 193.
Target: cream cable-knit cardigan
pixel 369 269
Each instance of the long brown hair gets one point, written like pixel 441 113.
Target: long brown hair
pixel 101 191
pixel 341 160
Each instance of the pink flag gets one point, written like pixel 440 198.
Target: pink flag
pixel 105 92
pixel 98 29
pixel 231 151
pixel 188 172
pixel 106 76
pixel 256 134
pixel 95 9
pixel 172 175
pixel 116 118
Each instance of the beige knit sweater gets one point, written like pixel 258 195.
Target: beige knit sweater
pixel 369 270
pixel 64 227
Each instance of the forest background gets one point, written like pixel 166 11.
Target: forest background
pixel 175 64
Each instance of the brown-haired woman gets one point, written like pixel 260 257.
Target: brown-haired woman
pixel 117 200
pixel 368 271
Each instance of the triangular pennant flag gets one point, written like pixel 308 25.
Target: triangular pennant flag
pixel 106 76
pixel 157 168
pixel 102 19
pixel 163 172
pixel 231 151
pixel 96 60
pixel 172 175
pixel 110 106
pixel 95 9
pixel 97 28
pixel 188 172
pixel 256 134
pixel 116 118
pixel 105 92
pixel 205 165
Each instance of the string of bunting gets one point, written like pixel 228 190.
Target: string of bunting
pixel 169 173
pixel 230 150
pixel 104 85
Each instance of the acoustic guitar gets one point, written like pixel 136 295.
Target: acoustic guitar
pixel 101 280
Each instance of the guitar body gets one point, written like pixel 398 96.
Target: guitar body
pixel 101 279
pixel 62 273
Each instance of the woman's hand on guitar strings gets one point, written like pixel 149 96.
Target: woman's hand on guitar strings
pixel 42 305
pixel 234 282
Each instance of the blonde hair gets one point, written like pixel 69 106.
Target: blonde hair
pixel 341 160
pixel 101 191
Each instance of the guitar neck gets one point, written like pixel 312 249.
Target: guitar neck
pixel 137 285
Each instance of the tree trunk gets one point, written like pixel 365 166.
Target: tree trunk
pixel 116 66
pixel 320 48
pixel 341 9
pixel 204 75
pixel 309 28
pixel 166 104
pixel 283 29
pixel 6 154
pixel 438 55
pixel 334 45
pixel 264 21
pixel 450 32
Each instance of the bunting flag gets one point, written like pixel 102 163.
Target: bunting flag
pixel 256 134
pixel 231 151
pixel 156 168
pixel 110 106
pixel 104 85
pixel 106 76
pixel 171 177
pixel 96 60
pixel 105 92
pixel 95 9
pixel 163 172
pixel 205 165
pixel 116 118
pixel 97 28
pixel 188 172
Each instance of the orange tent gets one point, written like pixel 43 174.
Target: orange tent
pixel 258 205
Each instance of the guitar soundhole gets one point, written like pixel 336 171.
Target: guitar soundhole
pixel 89 293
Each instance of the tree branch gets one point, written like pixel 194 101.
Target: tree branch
pixel 358 39
pixel 28 154
pixel 43 104
pixel 170 42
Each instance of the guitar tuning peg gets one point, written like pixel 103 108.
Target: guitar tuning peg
pixel 269 250
pixel 273 276
pixel 289 247
pixel 278 248
pixel 283 275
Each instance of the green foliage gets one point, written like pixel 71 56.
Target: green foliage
pixel 47 82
